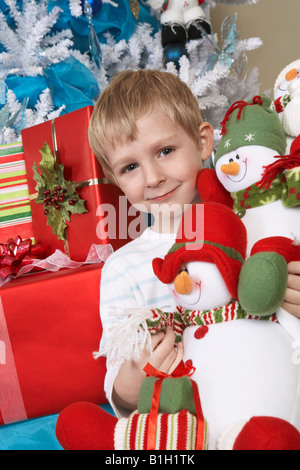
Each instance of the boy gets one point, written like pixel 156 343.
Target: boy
pixel 149 136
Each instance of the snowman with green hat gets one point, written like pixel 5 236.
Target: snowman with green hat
pixel 264 188
pixel 263 183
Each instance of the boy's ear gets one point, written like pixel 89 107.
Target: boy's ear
pixel 206 132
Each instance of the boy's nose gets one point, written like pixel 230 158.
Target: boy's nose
pixel 231 168
pixel 183 284
pixel 153 176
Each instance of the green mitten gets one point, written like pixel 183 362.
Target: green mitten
pixel 262 283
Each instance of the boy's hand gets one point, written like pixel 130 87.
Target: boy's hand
pixel 165 358
pixel 292 296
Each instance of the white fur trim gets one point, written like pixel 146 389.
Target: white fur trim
pixel 227 439
pixel 193 14
pixel 119 435
pixel 171 16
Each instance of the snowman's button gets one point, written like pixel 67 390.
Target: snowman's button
pixel 201 332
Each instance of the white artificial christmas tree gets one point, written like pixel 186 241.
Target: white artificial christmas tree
pixel 214 66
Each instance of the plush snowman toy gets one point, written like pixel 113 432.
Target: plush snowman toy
pixel 287 100
pixel 247 379
pixel 252 147
pixel 243 365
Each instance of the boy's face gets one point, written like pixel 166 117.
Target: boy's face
pixel 158 171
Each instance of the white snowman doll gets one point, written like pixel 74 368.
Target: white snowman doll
pixel 243 365
pixel 287 100
pixel 251 148
pixel 247 382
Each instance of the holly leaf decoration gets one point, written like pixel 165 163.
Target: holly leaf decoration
pixel 59 196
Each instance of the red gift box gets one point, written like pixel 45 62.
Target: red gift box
pixel 49 328
pixel 67 137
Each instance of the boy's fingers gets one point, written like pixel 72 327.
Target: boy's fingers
pixel 163 349
pixel 178 359
pixel 168 361
pixel 157 339
pixel 294 281
pixel 294 267
pixel 293 309
pixel 172 360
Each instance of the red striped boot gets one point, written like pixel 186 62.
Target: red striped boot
pixel 85 426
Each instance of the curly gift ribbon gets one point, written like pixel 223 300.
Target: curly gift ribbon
pixel 183 369
pixel 17 253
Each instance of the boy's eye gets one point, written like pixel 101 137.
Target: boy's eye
pixel 165 151
pixel 129 168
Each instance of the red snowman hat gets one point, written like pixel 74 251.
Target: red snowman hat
pixel 209 232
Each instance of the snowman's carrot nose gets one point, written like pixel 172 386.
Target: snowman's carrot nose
pixel 231 168
pixel 183 284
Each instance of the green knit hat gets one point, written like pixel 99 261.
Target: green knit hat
pixel 251 123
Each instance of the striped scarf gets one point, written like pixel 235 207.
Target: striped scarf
pixel 182 318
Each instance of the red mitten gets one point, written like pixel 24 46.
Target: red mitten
pixel 267 433
pixel 85 426
pixel 210 189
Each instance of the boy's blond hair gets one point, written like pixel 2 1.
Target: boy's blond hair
pixel 133 94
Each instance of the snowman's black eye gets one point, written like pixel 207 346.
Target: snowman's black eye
pixel 180 270
pixel 237 157
pixel 230 160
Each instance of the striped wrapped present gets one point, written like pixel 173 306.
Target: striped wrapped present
pixel 15 212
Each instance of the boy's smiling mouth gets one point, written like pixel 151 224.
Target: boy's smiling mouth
pixel 163 196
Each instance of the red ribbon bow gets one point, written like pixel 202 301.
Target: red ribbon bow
pixel 17 253
pixel 183 369
pixel 240 106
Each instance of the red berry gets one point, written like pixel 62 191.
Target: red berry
pixel 46 212
pixel 71 202
pixel 57 206
pixel 61 198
